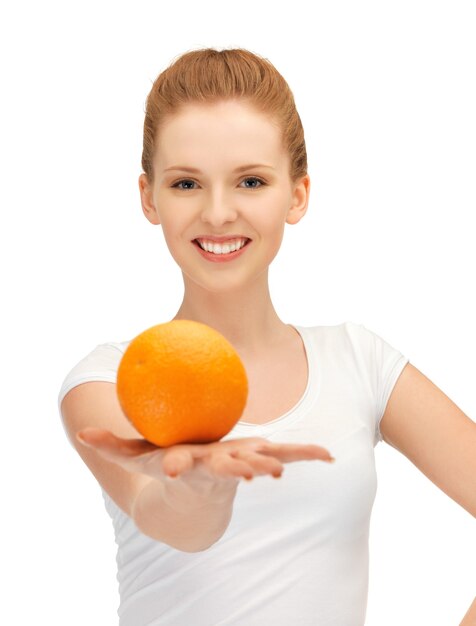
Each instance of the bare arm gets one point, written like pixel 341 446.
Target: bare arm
pixel 470 618
pixel 194 522
pixel 426 426
pixel 190 512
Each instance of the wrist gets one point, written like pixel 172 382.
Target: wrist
pixel 192 490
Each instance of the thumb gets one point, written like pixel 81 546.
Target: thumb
pixel 106 442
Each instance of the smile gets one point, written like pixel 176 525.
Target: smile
pixel 219 253
pixel 222 248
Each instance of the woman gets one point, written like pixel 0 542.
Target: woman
pixel 225 169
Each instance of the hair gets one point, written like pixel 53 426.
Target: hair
pixel 209 75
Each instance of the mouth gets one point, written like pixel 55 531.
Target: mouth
pixel 222 249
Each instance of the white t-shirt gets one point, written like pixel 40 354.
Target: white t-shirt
pixel 296 550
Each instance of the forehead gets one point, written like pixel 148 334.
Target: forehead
pixel 227 129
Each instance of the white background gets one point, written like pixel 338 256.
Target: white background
pixel 386 92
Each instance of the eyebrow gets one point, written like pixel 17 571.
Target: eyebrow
pixel 194 170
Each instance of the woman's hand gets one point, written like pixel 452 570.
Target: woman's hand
pixel 216 461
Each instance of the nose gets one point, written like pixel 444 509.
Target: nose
pixel 218 209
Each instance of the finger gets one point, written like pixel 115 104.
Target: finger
pixel 134 455
pixel 260 463
pixel 177 462
pixel 224 465
pixel 287 452
pixel 111 446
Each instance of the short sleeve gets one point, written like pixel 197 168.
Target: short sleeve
pixel 388 364
pixel 100 364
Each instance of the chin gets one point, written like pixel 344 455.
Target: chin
pixel 217 284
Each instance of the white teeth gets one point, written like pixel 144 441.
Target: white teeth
pixel 218 248
pixel 224 249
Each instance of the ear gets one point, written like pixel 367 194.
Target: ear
pixel 146 198
pixel 301 193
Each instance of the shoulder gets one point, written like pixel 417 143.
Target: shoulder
pixel 100 364
pixel 354 353
pixel 352 335
pixel 346 334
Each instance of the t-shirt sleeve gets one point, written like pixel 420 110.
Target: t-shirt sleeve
pixel 386 363
pixel 99 365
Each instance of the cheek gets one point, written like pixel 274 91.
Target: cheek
pixel 173 222
pixel 171 233
pixel 269 220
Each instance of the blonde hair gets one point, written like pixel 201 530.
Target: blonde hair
pixel 208 75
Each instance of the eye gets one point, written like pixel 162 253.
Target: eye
pixel 189 182
pixel 185 180
pixel 256 180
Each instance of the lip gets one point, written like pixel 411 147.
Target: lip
pixel 220 258
pixel 222 238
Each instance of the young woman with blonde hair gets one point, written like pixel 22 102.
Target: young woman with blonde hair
pixel 224 170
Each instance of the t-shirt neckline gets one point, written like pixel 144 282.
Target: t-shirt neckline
pixel 301 407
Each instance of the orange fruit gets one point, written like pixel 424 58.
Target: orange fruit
pixel 181 382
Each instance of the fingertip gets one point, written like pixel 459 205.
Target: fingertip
pixel 186 461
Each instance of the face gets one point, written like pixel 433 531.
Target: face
pixel 220 171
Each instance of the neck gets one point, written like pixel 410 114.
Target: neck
pixel 246 319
